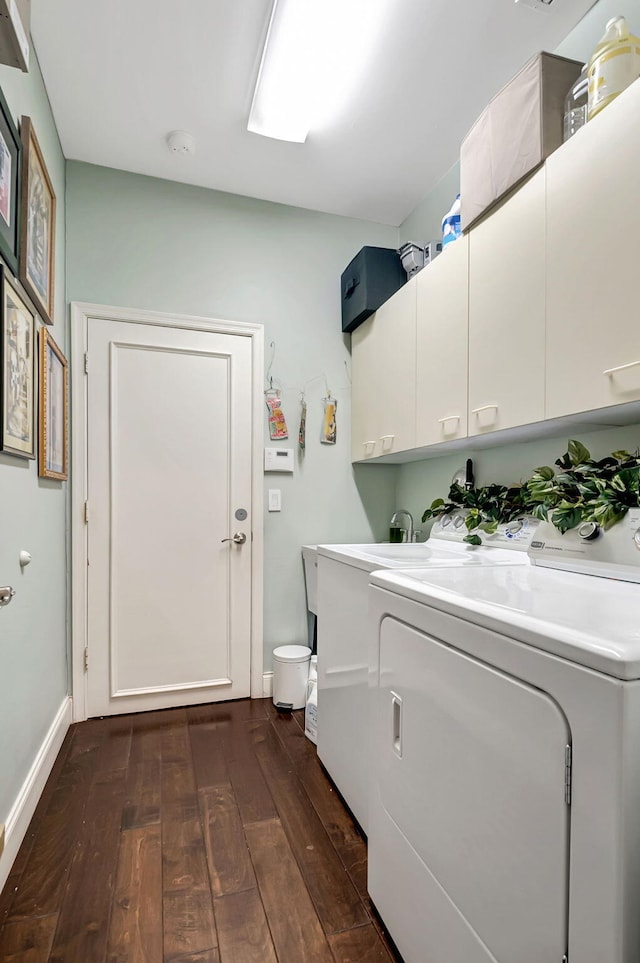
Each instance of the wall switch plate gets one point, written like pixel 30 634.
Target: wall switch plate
pixel 275 500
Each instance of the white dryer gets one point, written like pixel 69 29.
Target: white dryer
pixel 344 644
pixel 504 820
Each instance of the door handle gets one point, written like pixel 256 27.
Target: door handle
pixel 396 703
pixel 239 538
pixel 6 594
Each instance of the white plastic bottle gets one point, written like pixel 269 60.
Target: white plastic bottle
pixel 614 64
pixel 451 229
pixel 311 706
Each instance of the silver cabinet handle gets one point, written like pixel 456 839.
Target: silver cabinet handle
pixel 239 538
pixel 6 594
pixel 621 367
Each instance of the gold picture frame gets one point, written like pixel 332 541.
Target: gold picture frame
pixel 53 438
pixel 18 351
pixel 38 229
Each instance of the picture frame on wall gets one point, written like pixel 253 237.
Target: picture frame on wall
pixel 10 181
pixel 17 367
pixel 38 234
pixel 53 446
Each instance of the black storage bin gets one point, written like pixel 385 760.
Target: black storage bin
pixel 372 277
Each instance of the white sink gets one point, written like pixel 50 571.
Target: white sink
pixel 392 555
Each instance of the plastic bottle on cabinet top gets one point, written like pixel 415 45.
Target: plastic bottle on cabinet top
pixel 576 104
pixel 451 229
pixel 614 64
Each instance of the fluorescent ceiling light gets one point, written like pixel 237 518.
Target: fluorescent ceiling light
pixel 313 54
pixel 280 107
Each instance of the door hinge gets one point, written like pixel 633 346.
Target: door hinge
pixel 86 658
pixel 565 958
pixel 567 775
pixel 86 362
pixel 86 512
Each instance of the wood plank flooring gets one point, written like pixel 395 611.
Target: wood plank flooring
pixel 202 835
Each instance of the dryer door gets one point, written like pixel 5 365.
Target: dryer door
pixel 470 785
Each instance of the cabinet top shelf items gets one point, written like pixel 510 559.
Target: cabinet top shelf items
pixel 525 328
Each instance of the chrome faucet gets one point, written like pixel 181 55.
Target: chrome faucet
pixel 394 520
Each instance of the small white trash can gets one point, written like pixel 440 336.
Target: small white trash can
pixel 290 676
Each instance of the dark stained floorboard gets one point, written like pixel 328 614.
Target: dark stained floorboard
pixel 209 834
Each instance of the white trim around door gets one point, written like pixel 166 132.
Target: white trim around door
pixel 80 313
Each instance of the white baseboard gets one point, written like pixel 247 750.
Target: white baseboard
pixel 267 685
pixel 24 807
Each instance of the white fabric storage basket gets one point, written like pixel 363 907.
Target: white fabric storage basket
pixel 290 676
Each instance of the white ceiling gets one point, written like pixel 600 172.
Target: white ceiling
pixel 122 74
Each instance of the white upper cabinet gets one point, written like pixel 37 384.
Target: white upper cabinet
pixel 593 263
pixel 507 312
pixel 384 378
pixel 363 376
pixel 442 344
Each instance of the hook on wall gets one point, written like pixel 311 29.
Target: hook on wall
pixel 269 379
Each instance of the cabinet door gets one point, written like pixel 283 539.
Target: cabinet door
pixel 384 378
pixel 507 312
pixel 363 378
pixel 442 346
pixel 593 259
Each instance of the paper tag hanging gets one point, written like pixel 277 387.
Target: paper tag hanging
pixel 277 424
pixel 303 425
pixel 328 436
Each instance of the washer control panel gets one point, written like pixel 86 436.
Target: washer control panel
pixel 612 552
pixel 516 536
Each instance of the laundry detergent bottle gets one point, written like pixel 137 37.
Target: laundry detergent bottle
pixel 451 229
pixel 614 64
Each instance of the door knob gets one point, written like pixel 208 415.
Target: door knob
pixel 239 538
pixel 6 594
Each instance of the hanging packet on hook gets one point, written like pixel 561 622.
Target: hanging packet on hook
pixel 277 424
pixel 328 436
pixel 303 423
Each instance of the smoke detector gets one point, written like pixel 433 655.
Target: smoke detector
pixel 543 5
pixel 181 142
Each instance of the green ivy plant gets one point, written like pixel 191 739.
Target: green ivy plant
pixel 586 490
pixel 578 490
pixel 485 508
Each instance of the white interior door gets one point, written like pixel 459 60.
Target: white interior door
pixel 168 478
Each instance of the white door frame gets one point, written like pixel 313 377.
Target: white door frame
pixel 80 314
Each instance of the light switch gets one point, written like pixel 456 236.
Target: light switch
pixel 275 500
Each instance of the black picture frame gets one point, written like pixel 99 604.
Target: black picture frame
pixel 10 181
pixel 18 359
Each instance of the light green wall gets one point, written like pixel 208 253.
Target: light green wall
pixel 33 678
pixel 146 243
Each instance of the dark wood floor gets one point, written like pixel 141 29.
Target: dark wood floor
pixel 201 835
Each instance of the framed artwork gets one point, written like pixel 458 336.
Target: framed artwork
pixel 10 179
pixel 38 235
pixel 18 373
pixel 54 415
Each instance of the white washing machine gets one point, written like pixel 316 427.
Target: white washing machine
pixel 343 641
pixel 504 820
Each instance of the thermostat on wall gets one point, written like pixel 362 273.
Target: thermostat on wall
pixel 278 459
